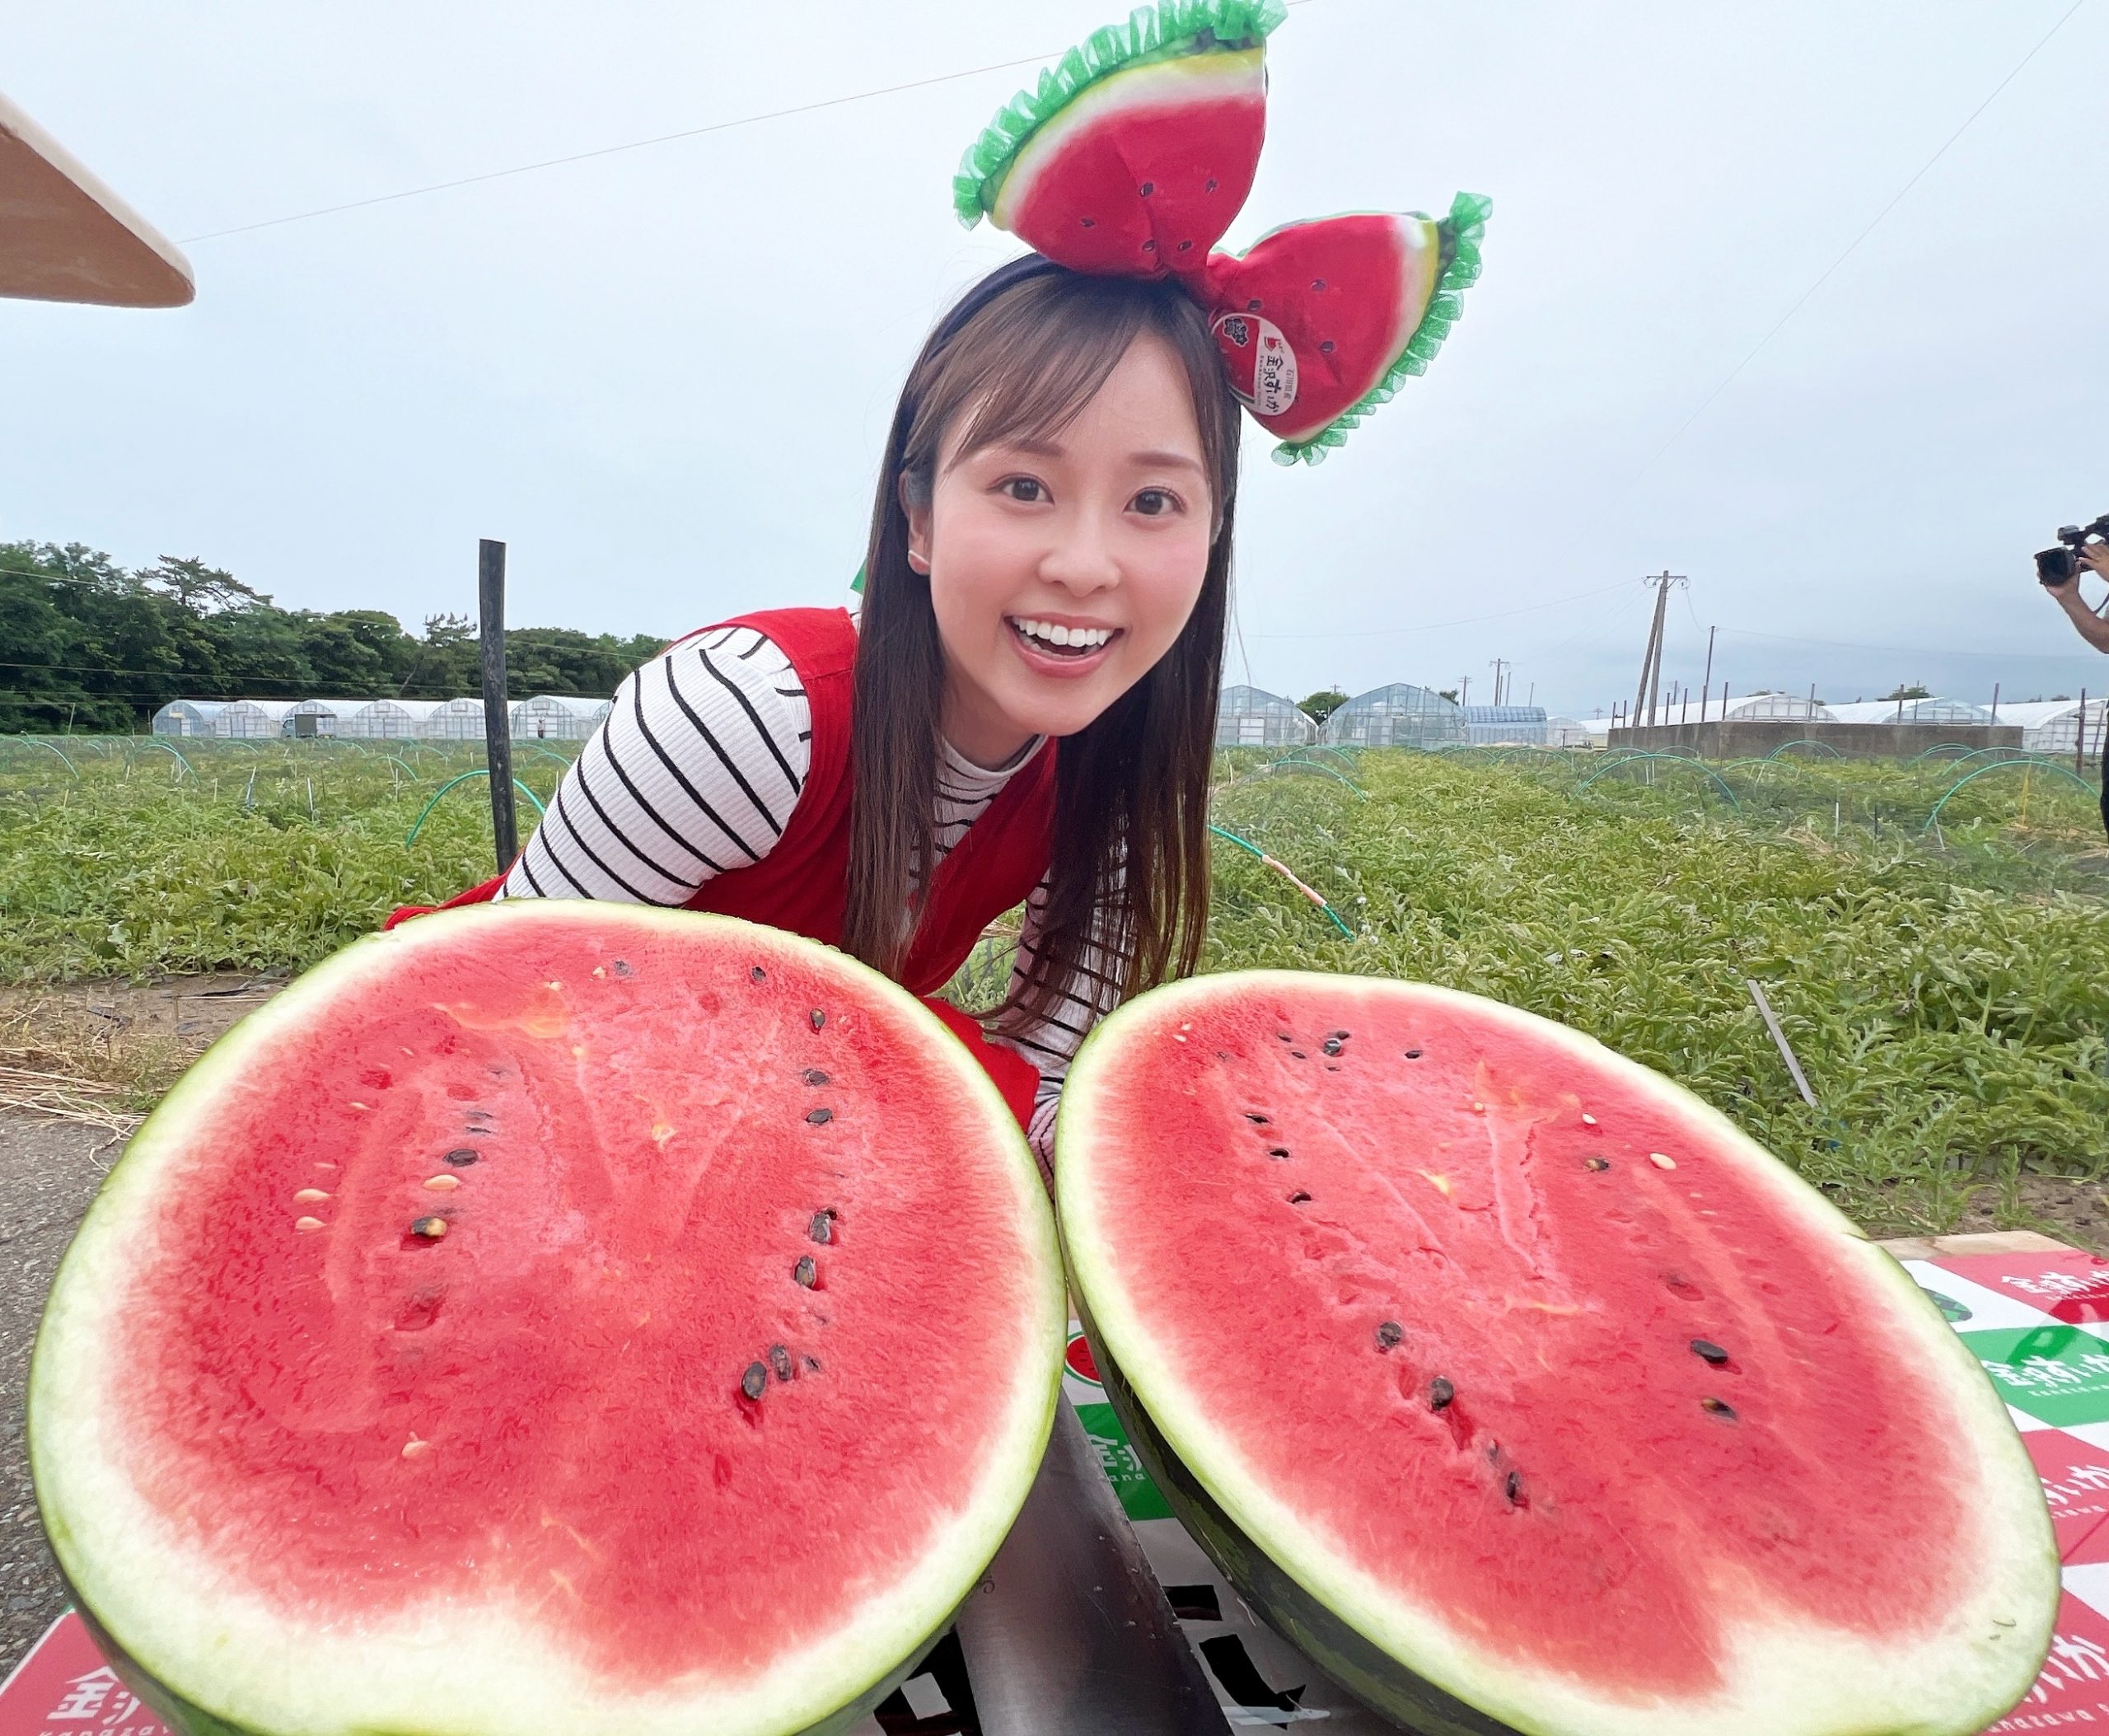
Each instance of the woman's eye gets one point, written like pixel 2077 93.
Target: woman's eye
pixel 1156 502
pixel 1023 488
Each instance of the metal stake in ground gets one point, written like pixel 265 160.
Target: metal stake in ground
pixel 497 718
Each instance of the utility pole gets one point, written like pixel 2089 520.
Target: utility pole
pixel 1464 690
pixel 497 713
pixel 1706 685
pixel 1651 662
pixel 1499 664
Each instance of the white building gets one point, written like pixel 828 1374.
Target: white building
pixel 253 719
pixel 1252 717
pixel 2052 726
pixel 556 717
pixel 189 717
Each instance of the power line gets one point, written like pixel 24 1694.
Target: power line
pixel 1807 294
pixel 634 144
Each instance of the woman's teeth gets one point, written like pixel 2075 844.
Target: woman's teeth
pixel 1048 634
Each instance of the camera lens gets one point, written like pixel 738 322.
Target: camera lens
pixel 2055 566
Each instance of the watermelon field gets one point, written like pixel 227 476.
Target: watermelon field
pixel 1934 945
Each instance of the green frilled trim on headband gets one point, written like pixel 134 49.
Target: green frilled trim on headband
pixel 1152 33
pixel 1462 231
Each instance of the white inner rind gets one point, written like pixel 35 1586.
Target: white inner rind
pixel 1782 1673
pixel 1221 75
pixel 195 1621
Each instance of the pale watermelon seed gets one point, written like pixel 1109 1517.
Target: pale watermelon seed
pixel 439 1184
pixel 1598 1164
pixel 1661 1160
pixel 1708 1351
pixel 1389 1334
pixel 779 1359
pixel 431 1228
pixel 311 1196
pixel 1440 1392
pixel 805 1272
pixel 755 1381
pixel 304 1224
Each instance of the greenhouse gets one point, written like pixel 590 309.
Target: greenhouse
pixel 252 719
pixel 2052 726
pixel 383 720
pixel 188 718
pixel 1569 733
pixel 1251 717
pixel 558 717
pixel 1910 711
pixel 1755 707
pixel 317 717
pixel 1400 715
pixel 1487 726
pixel 453 720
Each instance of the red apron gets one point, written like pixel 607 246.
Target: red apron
pixel 801 884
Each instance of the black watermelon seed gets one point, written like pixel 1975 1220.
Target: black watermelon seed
pixel 1413 1055
pixel 755 1381
pixel 1223 1055
pixel 779 1359
pixel 1515 1488
pixel 1440 1392
pixel 1683 1286
pixel 1185 245
pixel 1211 186
pixel 1285 1037
pixel 1708 1351
pixel 431 1228
pixel 818 1018
pixel 805 1272
pixel 1326 348
pixel 1277 1151
pixel 1493 1452
pixel 820 1117
pixel 1299 1054
pixel 1717 1407
pixel 1341 1034
pixel 461 1157
pixel 758 974
pixel 1298 1197
pixel 813 1363
pixel 821 1229
pixel 1331 1045
pixel 1317 282
pixel 814 1076
pixel 1148 187
pixel 1598 1164
pixel 1150 246
pixel 1090 222
pixel 1252 306
pixel 1255 1118
pixel 1389 1334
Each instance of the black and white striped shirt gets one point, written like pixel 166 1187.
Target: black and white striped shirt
pixel 696 771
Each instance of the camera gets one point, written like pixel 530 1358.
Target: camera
pixel 2056 566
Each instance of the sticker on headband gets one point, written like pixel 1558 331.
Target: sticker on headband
pixel 1262 365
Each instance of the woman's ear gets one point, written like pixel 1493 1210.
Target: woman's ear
pixel 919 525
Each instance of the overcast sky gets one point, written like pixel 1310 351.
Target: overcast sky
pixel 663 375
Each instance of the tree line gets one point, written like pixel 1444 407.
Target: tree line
pixel 87 645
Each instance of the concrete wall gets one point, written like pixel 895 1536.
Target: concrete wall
pixel 1738 739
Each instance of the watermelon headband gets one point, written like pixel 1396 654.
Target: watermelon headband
pixel 1133 157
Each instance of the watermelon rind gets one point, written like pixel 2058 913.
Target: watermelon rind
pixel 1399 1656
pixel 1462 230
pixel 216 1659
pixel 1163 31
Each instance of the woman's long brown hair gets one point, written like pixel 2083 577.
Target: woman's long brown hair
pixel 1130 831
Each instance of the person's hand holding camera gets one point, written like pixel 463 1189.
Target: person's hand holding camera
pixel 2081 549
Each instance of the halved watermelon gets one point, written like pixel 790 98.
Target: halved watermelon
pixel 551 1317
pixel 1525 1392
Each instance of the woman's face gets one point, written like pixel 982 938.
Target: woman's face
pixel 1061 570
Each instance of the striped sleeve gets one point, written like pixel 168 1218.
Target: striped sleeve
pixel 1051 1044
pixel 694 773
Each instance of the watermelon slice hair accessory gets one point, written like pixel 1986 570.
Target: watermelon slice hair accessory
pixel 1132 158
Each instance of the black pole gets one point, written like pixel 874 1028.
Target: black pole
pixel 498 714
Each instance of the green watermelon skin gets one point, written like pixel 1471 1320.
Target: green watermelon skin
pixel 1264 1397
pixel 1141 174
pixel 620 1010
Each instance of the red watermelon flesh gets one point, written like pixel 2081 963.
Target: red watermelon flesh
pixel 1142 172
pixel 1343 296
pixel 552 1317
pixel 1517 1385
